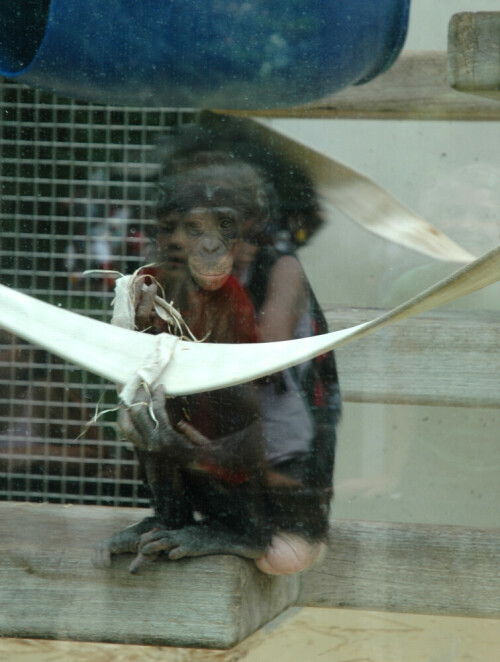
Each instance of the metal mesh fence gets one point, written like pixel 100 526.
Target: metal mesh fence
pixel 77 182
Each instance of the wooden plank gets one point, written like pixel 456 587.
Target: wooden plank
pixel 53 592
pixel 50 590
pixel 449 359
pixel 303 635
pixel 474 53
pixel 414 88
pixel 414 568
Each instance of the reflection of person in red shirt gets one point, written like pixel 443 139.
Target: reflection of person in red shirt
pixel 199 233
pixel 202 217
pixel 201 455
pixel 226 314
pixel 207 457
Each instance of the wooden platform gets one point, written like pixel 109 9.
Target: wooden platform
pixel 50 590
pixel 416 87
pixel 441 358
pixel 416 568
pixel 53 591
pixel 302 635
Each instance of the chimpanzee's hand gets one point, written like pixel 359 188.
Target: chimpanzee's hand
pixel 146 425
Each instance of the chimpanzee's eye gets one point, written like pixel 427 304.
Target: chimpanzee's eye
pixel 227 226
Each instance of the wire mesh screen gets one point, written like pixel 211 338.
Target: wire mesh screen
pixel 77 182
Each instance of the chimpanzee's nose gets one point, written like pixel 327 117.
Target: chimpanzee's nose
pixel 211 244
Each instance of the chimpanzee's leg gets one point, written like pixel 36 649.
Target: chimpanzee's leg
pixel 233 520
pixel 168 499
pixel 298 509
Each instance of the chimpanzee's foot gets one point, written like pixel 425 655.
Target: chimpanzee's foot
pixel 195 540
pixel 123 542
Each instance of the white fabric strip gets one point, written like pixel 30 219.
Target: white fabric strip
pixel 362 200
pixel 183 367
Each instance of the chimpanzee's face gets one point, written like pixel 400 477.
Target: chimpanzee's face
pixel 201 242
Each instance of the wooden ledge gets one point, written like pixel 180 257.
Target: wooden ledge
pixel 414 88
pixel 412 568
pixel 452 358
pixel 50 590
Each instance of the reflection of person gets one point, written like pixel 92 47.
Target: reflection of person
pixel 301 406
pixel 265 499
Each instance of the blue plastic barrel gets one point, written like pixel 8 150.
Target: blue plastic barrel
pixel 233 54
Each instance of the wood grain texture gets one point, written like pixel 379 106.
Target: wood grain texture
pixel 446 359
pixel 303 635
pixel 474 53
pixel 414 568
pixel 49 590
pixel 414 88
pixel 53 591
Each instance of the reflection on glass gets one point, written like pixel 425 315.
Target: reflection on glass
pixel 246 470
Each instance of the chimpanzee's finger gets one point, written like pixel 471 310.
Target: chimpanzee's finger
pixel 192 434
pixel 157 540
pixel 148 414
pixel 158 402
pixel 163 545
pixel 140 561
pixel 154 534
pixel 128 429
pixel 178 553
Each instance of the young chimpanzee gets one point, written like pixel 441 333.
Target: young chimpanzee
pixel 213 488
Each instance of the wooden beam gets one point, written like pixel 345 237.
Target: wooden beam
pixel 415 568
pixel 474 53
pixel 50 590
pixel 414 88
pixel 452 358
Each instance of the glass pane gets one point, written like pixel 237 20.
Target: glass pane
pixel 246 228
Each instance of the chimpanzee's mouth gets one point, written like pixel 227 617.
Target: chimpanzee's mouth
pixel 210 281
pixel 220 275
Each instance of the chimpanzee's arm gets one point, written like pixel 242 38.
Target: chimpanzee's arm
pixel 146 424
